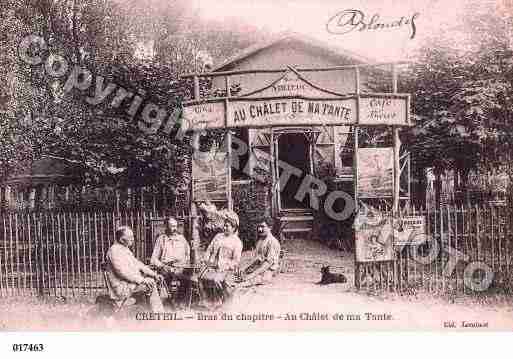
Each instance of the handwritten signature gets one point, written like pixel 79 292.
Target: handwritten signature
pixel 349 20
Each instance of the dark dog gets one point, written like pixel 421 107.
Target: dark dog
pixel 105 305
pixel 327 277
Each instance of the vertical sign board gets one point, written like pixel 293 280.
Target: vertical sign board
pixel 210 176
pixel 375 172
pixel 374 238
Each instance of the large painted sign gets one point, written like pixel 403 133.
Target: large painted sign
pixel 291 111
pixel 293 100
pixel 375 171
pixel 297 111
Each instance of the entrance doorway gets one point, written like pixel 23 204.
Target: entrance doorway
pixel 294 149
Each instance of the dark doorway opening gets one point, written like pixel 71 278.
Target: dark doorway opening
pixel 293 148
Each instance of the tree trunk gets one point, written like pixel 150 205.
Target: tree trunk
pixel 419 190
pixel 464 186
pixel 438 187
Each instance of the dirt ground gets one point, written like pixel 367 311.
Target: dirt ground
pixel 294 301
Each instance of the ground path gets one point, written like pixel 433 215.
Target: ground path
pixel 293 302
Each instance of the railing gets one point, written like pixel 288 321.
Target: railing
pixel 469 250
pixel 60 253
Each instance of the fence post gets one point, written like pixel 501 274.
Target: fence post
pixel 478 237
pixel 153 200
pixel 39 257
pixel 116 193
pixel 2 265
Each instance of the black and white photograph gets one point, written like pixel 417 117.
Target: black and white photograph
pixel 236 165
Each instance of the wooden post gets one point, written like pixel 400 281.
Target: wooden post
pixel 116 193
pixel 8 198
pixel 195 237
pixel 32 198
pixel 229 147
pixel 397 148
pixel 274 178
pixel 355 174
pixel 193 213
pixel 4 252
pixel 397 175
pixel 355 177
pixel 456 234
pixel 448 210
pixel 492 239
pixel 153 199
pixel 196 87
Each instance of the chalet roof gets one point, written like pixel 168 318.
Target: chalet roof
pixel 344 55
pixel 47 170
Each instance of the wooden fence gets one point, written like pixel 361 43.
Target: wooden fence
pixel 60 253
pixel 467 247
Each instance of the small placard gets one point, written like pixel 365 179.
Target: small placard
pixel 410 230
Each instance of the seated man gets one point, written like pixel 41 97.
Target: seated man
pixel 171 252
pixel 126 275
pixel 266 263
pixel 222 258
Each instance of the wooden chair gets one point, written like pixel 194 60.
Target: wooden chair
pixel 115 305
pixel 170 287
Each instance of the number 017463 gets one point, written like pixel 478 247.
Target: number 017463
pixel 28 347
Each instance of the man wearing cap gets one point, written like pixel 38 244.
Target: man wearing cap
pixel 126 275
pixel 266 264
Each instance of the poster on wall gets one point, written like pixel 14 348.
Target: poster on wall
pixel 373 237
pixel 210 176
pixel 375 172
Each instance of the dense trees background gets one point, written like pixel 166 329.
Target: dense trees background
pixel 138 45
pixel 461 83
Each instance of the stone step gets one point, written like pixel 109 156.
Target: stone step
pixel 293 224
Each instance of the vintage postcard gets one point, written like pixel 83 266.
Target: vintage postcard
pixel 256 166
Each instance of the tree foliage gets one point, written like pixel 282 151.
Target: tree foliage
pixel 141 46
pixel 461 84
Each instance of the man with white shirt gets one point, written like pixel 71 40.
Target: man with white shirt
pixel 171 256
pixel 171 251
